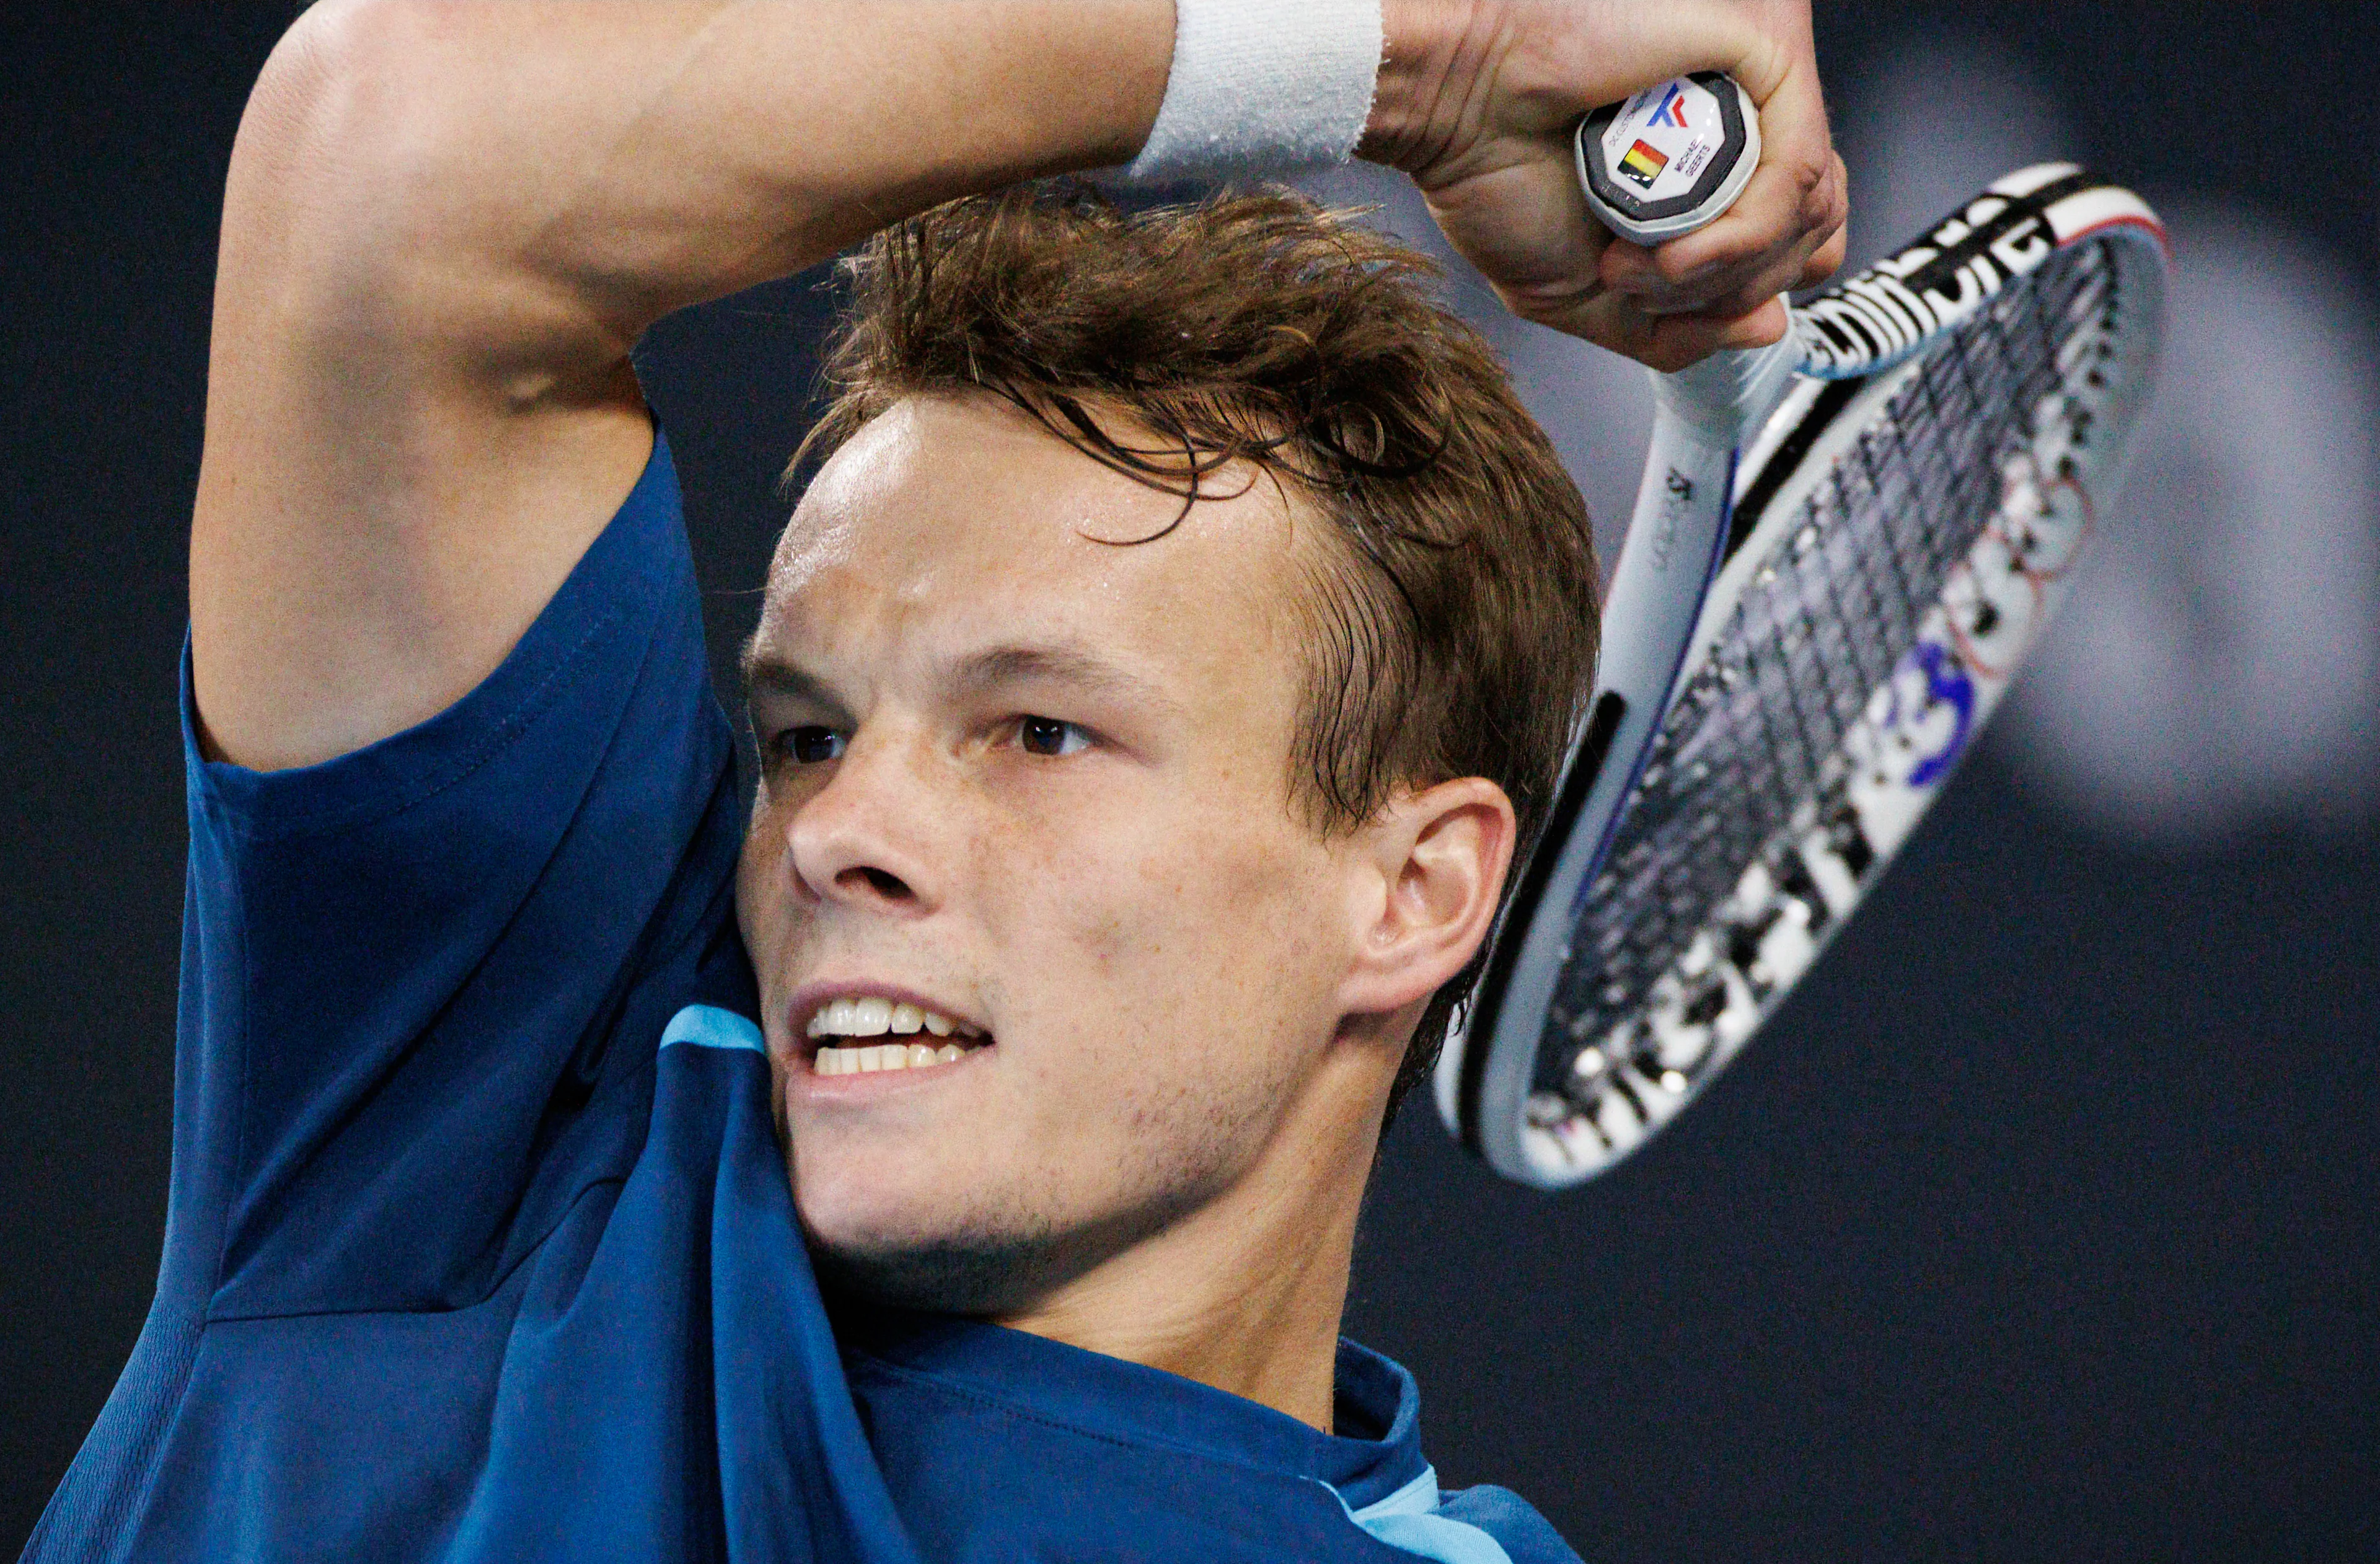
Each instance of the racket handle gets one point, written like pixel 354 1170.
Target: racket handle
pixel 1670 160
pixel 1730 393
pixel 1664 164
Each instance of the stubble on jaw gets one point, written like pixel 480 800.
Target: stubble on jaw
pixel 1006 1256
pixel 984 1269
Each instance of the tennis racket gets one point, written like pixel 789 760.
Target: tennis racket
pixel 1842 549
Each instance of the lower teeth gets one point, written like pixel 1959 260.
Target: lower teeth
pixel 886 1056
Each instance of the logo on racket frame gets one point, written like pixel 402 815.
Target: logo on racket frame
pixel 1878 318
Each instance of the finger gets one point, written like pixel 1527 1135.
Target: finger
pixel 1667 342
pixel 1788 207
pixel 1828 258
pixel 1801 267
pixel 1628 271
pixel 1757 328
pixel 1818 257
pixel 1792 194
pixel 1727 291
pixel 1826 261
pixel 1674 342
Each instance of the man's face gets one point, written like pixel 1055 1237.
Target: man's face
pixel 1034 785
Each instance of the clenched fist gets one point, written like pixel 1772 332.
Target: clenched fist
pixel 1476 102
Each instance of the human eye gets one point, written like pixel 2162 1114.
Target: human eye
pixel 809 745
pixel 1047 736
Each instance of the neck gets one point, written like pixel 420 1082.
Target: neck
pixel 1243 1293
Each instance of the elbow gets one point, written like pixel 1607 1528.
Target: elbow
pixel 324 195
pixel 387 189
pixel 333 91
pixel 360 98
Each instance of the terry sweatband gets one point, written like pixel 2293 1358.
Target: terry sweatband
pixel 1262 87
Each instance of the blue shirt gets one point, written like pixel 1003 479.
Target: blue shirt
pixel 479 1244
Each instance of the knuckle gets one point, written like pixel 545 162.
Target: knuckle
pixel 1809 173
pixel 1829 202
pixel 1684 270
pixel 1717 261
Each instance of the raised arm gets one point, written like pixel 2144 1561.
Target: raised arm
pixel 448 221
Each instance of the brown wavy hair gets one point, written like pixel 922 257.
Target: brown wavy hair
pixel 1454 625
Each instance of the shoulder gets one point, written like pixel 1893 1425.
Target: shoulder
pixel 1525 1536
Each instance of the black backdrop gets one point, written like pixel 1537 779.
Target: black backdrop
pixel 2042 1228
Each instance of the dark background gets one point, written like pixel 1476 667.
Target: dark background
pixel 2041 1227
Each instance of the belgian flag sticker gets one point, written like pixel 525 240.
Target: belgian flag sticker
pixel 1643 163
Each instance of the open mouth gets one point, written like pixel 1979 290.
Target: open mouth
pixel 862 1032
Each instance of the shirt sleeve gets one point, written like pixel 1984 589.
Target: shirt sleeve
pixel 405 970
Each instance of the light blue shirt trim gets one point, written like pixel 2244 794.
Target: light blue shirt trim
pixel 711 1027
pixel 1408 1520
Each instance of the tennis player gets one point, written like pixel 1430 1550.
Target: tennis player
pixel 961 1156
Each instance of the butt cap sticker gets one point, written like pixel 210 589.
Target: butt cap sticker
pixel 1670 160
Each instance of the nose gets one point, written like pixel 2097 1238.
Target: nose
pixel 858 841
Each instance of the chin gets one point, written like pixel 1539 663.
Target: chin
pixel 948 1277
pixel 968 1267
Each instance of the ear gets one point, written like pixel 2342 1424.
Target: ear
pixel 1441 855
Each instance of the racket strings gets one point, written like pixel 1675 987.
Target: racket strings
pixel 1748 760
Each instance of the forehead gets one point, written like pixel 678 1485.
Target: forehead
pixel 957 519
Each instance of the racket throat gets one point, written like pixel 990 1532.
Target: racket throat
pixel 1677 540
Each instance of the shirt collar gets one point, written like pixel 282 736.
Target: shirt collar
pixel 1379 1408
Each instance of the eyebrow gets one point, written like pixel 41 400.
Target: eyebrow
pixel 768 674
pixel 998 666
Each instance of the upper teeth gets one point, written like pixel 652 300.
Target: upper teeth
pixel 873 1017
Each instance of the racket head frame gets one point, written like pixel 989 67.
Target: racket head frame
pixel 1738 444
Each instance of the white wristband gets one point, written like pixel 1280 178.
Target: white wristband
pixel 1263 87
